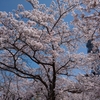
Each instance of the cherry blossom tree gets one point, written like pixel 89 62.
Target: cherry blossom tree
pixel 39 51
pixel 86 21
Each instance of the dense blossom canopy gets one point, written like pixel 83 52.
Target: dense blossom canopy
pixel 39 58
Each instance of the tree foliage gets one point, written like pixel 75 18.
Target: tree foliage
pixel 39 51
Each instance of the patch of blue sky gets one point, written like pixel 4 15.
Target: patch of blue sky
pixel 29 62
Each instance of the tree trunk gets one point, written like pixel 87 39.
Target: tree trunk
pixel 51 95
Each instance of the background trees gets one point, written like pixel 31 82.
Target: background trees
pixel 38 51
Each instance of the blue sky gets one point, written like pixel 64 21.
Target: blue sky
pixel 9 5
